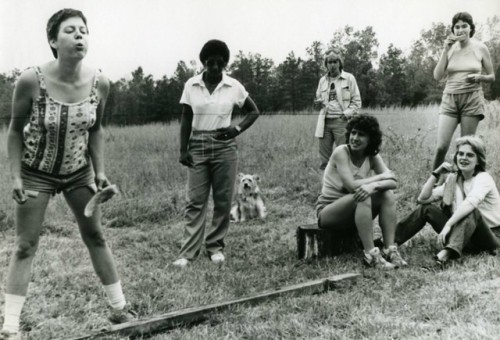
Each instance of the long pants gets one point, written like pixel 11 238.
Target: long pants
pixel 334 133
pixel 215 166
pixel 470 231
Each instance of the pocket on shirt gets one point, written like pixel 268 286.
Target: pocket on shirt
pixel 324 94
pixel 346 94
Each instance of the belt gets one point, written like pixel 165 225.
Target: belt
pixel 206 132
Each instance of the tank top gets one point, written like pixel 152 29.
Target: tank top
pixel 333 187
pixel 461 63
pixel 55 139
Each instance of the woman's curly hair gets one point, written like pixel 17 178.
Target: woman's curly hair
pixel 214 47
pixel 369 125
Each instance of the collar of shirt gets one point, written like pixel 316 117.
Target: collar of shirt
pixel 341 75
pixel 198 80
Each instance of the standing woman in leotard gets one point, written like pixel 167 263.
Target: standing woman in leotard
pixel 55 144
pixel 462 62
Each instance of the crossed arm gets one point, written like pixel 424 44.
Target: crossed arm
pixel 384 179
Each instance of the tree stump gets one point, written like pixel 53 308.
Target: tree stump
pixel 314 242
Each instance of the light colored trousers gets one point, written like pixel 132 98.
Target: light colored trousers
pixel 334 133
pixel 215 167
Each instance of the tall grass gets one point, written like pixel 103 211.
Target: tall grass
pixel 144 228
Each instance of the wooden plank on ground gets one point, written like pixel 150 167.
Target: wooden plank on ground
pixel 196 314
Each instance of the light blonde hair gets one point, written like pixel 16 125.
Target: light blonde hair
pixel 477 146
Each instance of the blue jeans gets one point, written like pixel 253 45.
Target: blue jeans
pixel 215 167
pixel 334 133
pixel 470 232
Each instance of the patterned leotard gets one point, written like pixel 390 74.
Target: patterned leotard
pixel 56 136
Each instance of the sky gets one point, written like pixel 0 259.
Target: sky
pixel 156 35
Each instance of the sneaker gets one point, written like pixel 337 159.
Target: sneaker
pixel 123 315
pixel 7 335
pixel 442 258
pixel 181 263
pixel 217 258
pixel 393 256
pixel 374 259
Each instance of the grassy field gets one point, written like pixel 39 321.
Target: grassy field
pixel 144 228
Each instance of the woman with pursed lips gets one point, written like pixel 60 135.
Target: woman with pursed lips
pixel 55 144
pixel 462 62
pixel 208 150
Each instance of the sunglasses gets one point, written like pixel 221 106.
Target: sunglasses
pixel 220 63
pixel 332 61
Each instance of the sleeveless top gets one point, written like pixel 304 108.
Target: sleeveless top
pixel 56 136
pixel 333 187
pixel 461 63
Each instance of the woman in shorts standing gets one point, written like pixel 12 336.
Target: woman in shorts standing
pixel 462 61
pixel 55 144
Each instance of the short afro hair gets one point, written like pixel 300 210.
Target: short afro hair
pixel 368 124
pixel 55 22
pixel 466 17
pixel 212 48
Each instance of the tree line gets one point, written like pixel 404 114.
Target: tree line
pixel 395 78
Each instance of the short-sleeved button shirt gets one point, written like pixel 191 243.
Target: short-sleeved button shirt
pixel 213 111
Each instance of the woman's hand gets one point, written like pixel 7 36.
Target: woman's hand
pixel 444 168
pixel 101 181
pixel 226 133
pixel 186 159
pixel 318 104
pixel 441 239
pixel 449 41
pixel 363 192
pixel 18 193
pixel 473 78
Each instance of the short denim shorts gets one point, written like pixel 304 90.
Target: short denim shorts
pixel 35 181
pixel 470 104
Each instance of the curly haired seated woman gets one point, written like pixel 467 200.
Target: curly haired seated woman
pixel 356 188
pixel 470 204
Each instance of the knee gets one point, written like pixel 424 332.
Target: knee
pixel 428 209
pixel 94 239
pixel 388 197
pixel 25 249
pixel 367 203
pixel 194 205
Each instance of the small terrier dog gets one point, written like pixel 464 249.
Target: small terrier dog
pixel 247 199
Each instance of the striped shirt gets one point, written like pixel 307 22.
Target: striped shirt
pixel 56 136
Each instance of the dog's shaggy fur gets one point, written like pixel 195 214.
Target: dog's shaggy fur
pixel 247 201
